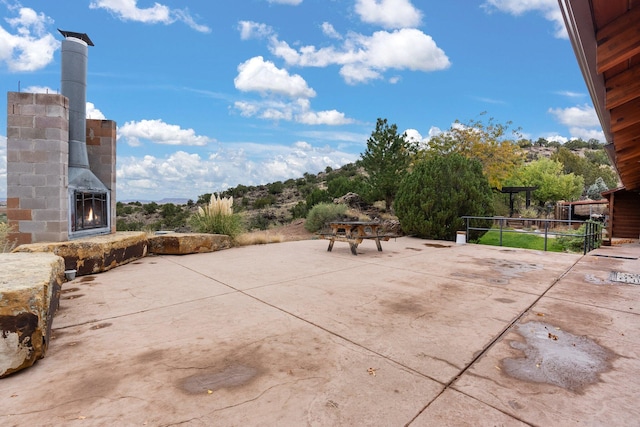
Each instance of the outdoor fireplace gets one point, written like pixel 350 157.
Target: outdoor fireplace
pixel 61 166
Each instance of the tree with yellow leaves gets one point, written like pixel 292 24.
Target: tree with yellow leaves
pixel 499 155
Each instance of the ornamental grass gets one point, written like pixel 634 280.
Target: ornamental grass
pixel 217 217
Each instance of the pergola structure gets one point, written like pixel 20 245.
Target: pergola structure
pixel 605 35
pixel 515 190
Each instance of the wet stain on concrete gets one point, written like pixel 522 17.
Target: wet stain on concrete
pixel 436 245
pixel 67 290
pixel 504 300
pixel 557 357
pixel 413 249
pixel 150 356
pixel 497 281
pixel 405 305
pixel 88 278
pixel 229 377
pixel 100 326
pixel 511 268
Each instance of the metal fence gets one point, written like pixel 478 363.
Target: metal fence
pixel 547 228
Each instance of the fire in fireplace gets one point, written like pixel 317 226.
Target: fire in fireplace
pixel 90 211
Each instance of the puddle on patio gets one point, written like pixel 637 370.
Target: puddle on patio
pixel 557 357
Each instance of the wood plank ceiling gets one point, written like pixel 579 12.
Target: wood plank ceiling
pixel 617 35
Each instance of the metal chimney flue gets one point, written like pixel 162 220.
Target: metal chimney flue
pixel 88 196
pixel 74 87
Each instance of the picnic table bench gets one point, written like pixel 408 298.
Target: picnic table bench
pixel 354 233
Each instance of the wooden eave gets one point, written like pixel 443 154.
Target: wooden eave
pixel 612 73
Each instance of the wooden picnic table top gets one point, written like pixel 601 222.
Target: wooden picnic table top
pixel 355 223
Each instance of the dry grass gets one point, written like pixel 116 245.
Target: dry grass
pixel 357 214
pixel 258 238
pixel 6 245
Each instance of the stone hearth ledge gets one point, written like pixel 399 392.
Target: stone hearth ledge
pixel 95 254
pixel 187 243
pixel 29 295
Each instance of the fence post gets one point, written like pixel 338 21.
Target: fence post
pixel 501 220
pixel 587 238
pixel 546 234
pixel 467 220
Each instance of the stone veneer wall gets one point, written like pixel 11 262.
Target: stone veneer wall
pixel 101 150
pixel 37 164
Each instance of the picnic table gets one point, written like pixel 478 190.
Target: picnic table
pixel 354 232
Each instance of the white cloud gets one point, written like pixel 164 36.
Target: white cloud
pixel 570 94
pixel 422 141
pixel 128 10
pixel 587 134
pixel 159 132
pixel 330 117
pixel 253 30
pixel 364 58
pixel 548 8
pixel 329 31
pixel 93 112
pixel 182 174
pixel 581 120
pixel 258 75
pixel 556 138
pixel 31 47
pixel 389 13
pixel 579 116
pixel 298 110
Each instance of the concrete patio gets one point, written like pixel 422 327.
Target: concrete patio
pixel 424 333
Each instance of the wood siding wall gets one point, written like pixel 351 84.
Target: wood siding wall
pixel 625 215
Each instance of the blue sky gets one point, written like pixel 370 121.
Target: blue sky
pixel 209 95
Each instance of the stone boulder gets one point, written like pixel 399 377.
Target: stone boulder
pixel 29 296
pixel 187 243
pixel 353 200
pixel 95 254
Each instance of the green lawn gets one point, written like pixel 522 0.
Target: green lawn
pixel 519 240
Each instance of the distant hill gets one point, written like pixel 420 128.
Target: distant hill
pixel 174 200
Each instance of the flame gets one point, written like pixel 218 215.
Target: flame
pixel 90 217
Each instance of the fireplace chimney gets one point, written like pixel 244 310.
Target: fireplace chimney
pixel 89 203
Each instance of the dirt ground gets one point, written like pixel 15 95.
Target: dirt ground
pixel 289 232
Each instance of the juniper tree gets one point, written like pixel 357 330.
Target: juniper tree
pixel 434 196
pixel 386 160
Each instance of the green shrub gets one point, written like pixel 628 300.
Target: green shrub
pixel 276 187
pixel 318 196
pixel 341 185
pixel 217 218
pixel 124 225
pixel 259 222
pixel 300 210
pixel 263 202
pixel 150 208
pixel 576 243
pixel 433 197
pixel 323 213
